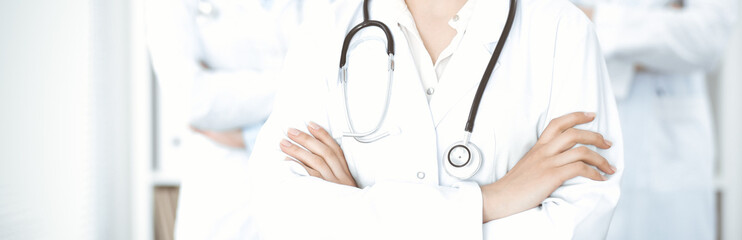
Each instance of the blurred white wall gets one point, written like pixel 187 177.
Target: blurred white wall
pixel 728 107
pixel 47 169
pixel 65 120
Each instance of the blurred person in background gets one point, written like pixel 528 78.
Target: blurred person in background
pixel 225 54
pixel 216 61
pixel 658 53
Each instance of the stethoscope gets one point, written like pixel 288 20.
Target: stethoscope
pixel 463 159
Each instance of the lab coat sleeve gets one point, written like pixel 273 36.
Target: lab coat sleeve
pixel 665 39
pixel 227 100
pixel 215 100
pixel 289 204
pixel 581 208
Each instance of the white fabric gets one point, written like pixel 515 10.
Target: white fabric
pixel 551 66
pixel 667 192
pixel 212 203
pixel 242 42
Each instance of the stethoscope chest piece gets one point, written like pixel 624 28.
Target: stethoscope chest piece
pixel 462 160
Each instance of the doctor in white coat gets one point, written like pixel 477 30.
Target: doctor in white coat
pixel 216 62
pixel 549 93
pixel 219 59
pixel 658 53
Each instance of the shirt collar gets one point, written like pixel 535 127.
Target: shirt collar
pixel 461 20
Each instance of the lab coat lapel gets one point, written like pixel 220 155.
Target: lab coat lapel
pixel 416 120
pixel 464 73
pixel 408 112
pixel 405 71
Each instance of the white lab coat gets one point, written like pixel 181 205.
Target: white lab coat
pixel 243 42
pixel 551 66
pixel 668 191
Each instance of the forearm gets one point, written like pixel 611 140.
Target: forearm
pixel 580 209
pixel 224 100
pixel 666 39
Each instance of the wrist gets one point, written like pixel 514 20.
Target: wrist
pixel 491 202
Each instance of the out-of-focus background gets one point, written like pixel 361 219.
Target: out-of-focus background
pixel 91 146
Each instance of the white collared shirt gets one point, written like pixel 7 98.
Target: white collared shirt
pixel 430 73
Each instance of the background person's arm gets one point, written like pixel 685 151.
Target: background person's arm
pixel 667 38
pixel 581 208
pixel 218 100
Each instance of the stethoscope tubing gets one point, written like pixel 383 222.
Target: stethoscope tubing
pixel 490 67
pixel 359 27
pixel 366 137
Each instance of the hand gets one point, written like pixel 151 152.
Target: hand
pixel 546 166
pixel 325 158
pixel 589 12
pixel 639 68
pixel 232 138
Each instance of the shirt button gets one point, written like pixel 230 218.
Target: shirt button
pixel 206 8
pixel 455 17
pixel 420 175
pixel 430 91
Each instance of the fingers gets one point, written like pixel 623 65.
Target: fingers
pixel 312 172
pixel 560 124
pixel 586 156
pixel 323 136
pixel 310 143
pixel 572 136
pixel 321 150
pixel 307 158
pixel 575 169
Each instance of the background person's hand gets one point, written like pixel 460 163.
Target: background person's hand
pixel 323 157
pixel 588 12
pixel 550 163
pixel 231 138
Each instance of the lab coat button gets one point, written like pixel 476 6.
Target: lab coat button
pixel 430 91
pixel 420 175
pixel 455 17
pixel 660 92
pixel 205 8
